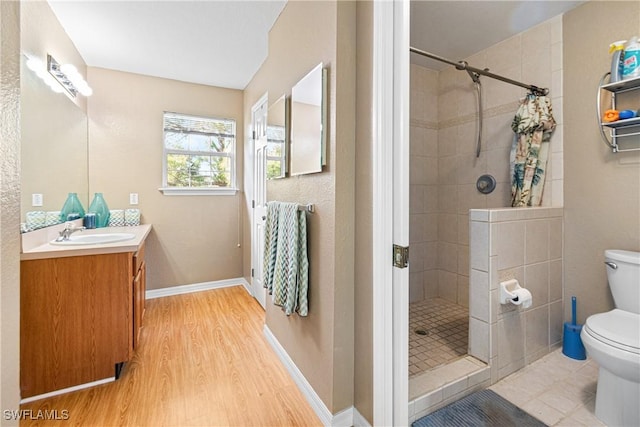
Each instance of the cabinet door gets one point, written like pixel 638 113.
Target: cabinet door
pixel 75 320
pixel 139 288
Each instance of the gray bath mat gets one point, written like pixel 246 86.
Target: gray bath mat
pixel 482 408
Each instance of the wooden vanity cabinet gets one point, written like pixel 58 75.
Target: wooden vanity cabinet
pixel 79 318
pixel 139 290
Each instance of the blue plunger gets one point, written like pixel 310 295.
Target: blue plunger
pixel 572 344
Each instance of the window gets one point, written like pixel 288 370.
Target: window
pixel 199 155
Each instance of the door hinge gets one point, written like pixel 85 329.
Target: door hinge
pixel 252 272
pixel 253 204
pixel 400 256
pixel 253 134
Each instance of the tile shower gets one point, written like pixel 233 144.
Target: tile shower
pixel 444 170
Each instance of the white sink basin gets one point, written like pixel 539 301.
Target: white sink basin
pixel 94 239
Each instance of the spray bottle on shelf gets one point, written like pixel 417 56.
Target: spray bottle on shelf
pixel 617 49
pixel 631 62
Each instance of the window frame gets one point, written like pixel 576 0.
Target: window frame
pixel 199 191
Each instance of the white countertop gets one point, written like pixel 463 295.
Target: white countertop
pixel 39 250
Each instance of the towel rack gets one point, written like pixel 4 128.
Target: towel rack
pixel 310 207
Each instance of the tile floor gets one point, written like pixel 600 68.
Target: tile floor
pixel 557 390
pixel 446 328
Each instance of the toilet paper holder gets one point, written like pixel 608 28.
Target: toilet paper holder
pixel 512 292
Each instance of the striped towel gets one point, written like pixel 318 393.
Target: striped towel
pixel 289 279
pixel 270 244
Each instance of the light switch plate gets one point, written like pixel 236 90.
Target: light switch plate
pixel 133 198
pixel 36 199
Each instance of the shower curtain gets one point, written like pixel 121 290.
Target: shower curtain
pixel 533 125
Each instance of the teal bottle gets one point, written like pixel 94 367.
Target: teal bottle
pixel 72 208
pixel 100 208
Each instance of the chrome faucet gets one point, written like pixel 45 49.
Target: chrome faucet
pixel 69 229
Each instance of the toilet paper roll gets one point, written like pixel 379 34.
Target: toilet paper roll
pixel 510 284
pixel 522 297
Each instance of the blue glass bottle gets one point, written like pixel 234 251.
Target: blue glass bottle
pixel 100 208
pixel 72 208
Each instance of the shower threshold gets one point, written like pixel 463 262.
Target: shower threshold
pixel 440 386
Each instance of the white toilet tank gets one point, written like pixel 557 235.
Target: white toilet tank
pixel 623 272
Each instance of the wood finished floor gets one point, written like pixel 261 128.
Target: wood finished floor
pixel 202 361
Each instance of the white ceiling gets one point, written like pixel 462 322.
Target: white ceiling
pixel 224 42
pixel 458 29
pixel 218 43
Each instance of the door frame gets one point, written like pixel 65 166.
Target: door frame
pixel 258 292
pixel 390 220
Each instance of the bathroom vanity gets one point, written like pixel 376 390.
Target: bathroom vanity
pixel 81 309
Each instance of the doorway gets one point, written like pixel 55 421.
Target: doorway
pixel 259 202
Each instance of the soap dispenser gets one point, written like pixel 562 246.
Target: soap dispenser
pixel 72 208
pixel 99 207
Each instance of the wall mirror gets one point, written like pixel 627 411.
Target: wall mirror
pixel 53 148
pixel 308 123
pixel 277 139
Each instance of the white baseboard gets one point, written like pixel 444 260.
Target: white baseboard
pixel 341 419
pixel 197 287
pixel 359 420
pixel 67 390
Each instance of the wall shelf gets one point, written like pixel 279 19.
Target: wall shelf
pixel 620 130
pixel 635 121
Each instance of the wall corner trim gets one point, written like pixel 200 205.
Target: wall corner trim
pixel 343 418
pixel 197 287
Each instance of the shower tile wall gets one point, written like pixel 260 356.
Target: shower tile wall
pixel 440 204
pixel 523 244
pixel 423 208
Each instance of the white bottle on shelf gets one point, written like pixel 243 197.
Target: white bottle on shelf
pixel 631 62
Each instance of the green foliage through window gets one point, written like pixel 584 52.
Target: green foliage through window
pixel 275 151
pixel 199 152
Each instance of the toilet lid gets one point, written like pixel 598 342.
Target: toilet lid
pixel 617 328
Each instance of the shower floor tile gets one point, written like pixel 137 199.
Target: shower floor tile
pixel 446 329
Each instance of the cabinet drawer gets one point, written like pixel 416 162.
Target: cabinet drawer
pixel 138 259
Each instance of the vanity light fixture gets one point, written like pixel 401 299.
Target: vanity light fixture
pixel 69 77
pixel 60 77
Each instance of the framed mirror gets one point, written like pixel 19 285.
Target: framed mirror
pixel 277 146
pixel 53 148
pixel 308 122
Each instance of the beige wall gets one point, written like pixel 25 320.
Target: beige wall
pixel 9 207
pixel 321 345
pixel 195 238
pixel 601 189
pixel 363 301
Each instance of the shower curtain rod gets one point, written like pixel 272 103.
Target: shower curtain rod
pixel 463 65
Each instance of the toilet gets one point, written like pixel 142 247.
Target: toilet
pixel 612 339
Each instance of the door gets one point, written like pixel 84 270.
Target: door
pixel 259 203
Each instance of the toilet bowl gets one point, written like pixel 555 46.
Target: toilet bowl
pixel 612 339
